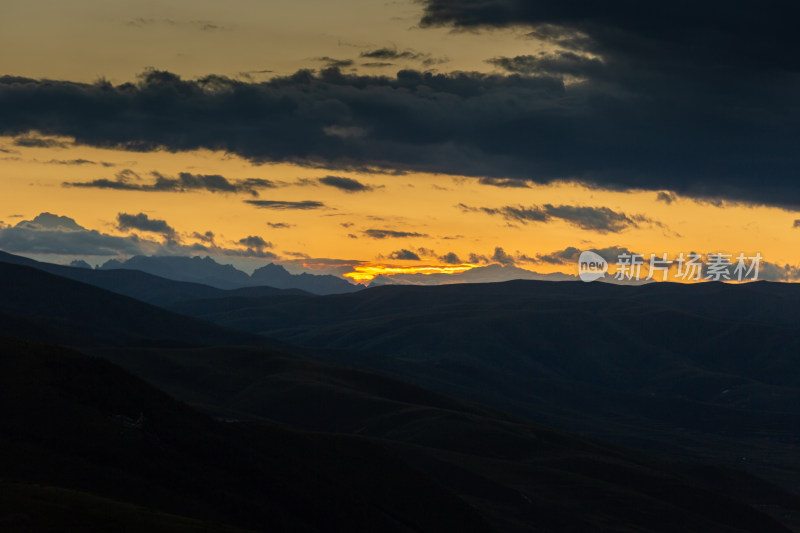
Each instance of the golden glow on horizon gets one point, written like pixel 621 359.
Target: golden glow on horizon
pixel 364 273
pixel 336 238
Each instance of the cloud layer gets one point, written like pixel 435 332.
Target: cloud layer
pixel 61 235
pixel 626 102
pixel 599 219
pixel 128 180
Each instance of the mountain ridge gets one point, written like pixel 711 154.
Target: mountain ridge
pixel 206 271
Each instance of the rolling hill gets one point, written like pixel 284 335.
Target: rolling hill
pixel 382 454
pixel 73 423
pixel 707 371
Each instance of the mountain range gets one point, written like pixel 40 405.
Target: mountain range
pixel 205 270
pixel 656 367
pixel 484 274
pixel 385 410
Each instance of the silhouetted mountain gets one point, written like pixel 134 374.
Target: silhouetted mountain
pixel 80 264
pixel 522 477
pixel 44 307
pixel 78 423
pixel 208 272
pixel 707 371
pixel 142 286
pixel 202 270
pixel 276 276
pixel 72 423
pixel 486 274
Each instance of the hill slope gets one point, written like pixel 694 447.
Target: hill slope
pixel 50 308
pixel 513 475
pixel 79 423
pixel 708 371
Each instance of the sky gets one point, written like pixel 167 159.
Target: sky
pixel 436 136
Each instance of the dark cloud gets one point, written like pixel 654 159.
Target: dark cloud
pixel 666 197
pixel 555 64
pixel 500 256
pixel 202 25
pixel 279 225
pixel 571 254
pixel 513 213
pixel 331 62
pixel 256 247
pixel 142 222
pixel 450 258
pixel 391 234
pixel 71 162
pixel 505 183
pixel 298 255
pixel 730 64
pixel 376 64
pixel 345 184
pixel 560 257
pixel 306 182
pixel 255 242
pixel 713 33
pixel 207 237
pixel 388 54
pixel 249 252
pixel 250 74
pixel 600 219
pixel 286 205
pixel 61 235
pixel 404 255
pixel 731 134
pixel 184 182
pixel 53 234
pixel 477 259
pixel 774 272
pixel 49 221
pixel 38 142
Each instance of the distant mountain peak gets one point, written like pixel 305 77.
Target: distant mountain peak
pixel 272 267
pixel 205 270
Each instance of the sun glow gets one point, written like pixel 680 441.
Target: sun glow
pixel 369 272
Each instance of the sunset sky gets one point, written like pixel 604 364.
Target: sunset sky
pixel 362 137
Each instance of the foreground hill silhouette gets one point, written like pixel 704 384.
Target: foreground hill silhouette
pixel 79 423
pixel 708 370
pixel 471 464
pixel 45 307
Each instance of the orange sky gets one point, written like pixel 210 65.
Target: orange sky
pixel 422 204
pixel 254 40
